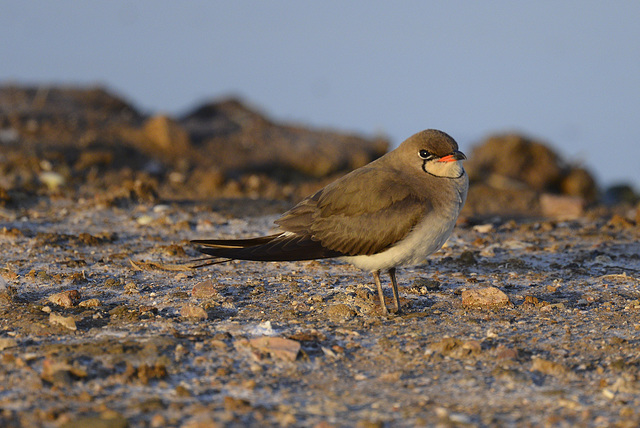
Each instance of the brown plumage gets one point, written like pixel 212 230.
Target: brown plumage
pixel 396 210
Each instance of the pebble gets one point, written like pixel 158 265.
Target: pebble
pixel 193 312
pixel 66 322
pixel 262 329
pixel 89 303
pixel 483 228
pixel 66 299
pixel 108 419
pixel 547 367
pixel 7 342
pixel 204 290
pixel 340 312
pixel 278 347
pixel 484 297
pixel 131 288
pixel 200 421
pixel 52 180
pixel 467 258
pixel 426 284
pixel 619 222
pixel 144 220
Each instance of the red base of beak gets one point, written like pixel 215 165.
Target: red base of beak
pixel 448 158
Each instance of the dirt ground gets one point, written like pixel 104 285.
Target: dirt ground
pixel 103 325
pixel 516 322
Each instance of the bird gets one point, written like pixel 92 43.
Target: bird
pixel 394 211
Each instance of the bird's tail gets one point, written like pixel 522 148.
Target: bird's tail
pixel 279 247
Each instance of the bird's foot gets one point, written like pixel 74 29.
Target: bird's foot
pixel 390 311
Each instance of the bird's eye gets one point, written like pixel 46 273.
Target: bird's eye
pixel 424 154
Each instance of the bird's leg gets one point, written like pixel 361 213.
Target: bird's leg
pixel 376 278
pixel 394 285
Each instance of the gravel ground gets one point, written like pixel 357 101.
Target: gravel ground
pixel 513 323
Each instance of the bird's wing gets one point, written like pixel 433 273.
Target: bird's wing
pixel 363 213
pixel 278 247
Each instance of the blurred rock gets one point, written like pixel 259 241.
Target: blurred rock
pixel 619 222
pixel 63 115
pixel 233 137
pixel 194 312
pixel 167 134
pixel 66 299
pixel 7 342
pixel 204 290
pixel 94 139
pixel 620 194
pixel 509 173
pixel 52 180
pixel 66 322
pixel 579 182
pixel 548 367
pixel 278 347
pixel 562 207
pixel 485 200
pixel 108 419
pixel 484 298
pixel 516 161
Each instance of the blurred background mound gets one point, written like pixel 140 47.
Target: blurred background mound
pixel 88 142
pixel 517 175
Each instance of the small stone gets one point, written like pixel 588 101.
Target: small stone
pixel 66 299
pixel 340 312
pixel 89 303
pixel 201 421
pixel 547 367
pixel 144 220
pixel 7 342
pixel 204 290
pixel 52 180
pixel 423 286
pixel 112 283
pixel 108 419
pixel 66 322
pixel 158 421
pixel 193 312
pixel 467 258
pixel 366 423
pixel 483 228
pixel 603 259
pixel 619 222
pixel 131 288
pixel 505 353
pixel 60 372
pixel 484 297
pixel 278 347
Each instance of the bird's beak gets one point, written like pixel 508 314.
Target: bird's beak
pixel 455 156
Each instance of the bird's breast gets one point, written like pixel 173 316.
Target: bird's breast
pixel 425 238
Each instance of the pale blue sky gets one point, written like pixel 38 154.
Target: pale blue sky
pixel 567 72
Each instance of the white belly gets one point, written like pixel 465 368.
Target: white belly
pixel 426 238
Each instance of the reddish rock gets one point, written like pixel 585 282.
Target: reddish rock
pixel 278 347
pixel 484 298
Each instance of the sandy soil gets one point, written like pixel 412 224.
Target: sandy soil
pixel 104 325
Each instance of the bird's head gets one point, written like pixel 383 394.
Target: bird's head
pixel 434 153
